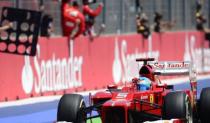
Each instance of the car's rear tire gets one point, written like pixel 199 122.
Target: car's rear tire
pixel 69 109
pixel 205 105
pixel 177 105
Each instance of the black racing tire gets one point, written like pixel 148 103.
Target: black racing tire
pixel 177 105
pixel 69 109
pixel 204 112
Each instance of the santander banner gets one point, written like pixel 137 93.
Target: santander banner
pixel 61 66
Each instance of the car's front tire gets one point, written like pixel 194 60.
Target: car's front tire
pixel 177 105
pixel 70 109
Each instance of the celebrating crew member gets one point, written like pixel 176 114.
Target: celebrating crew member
pixel 161 25
pixel 157 20
pixel 142 25
pixel 46 28
pixel 90 16
pixel 200 21
pixel 73 21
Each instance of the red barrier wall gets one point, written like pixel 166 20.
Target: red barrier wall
pixel 85 65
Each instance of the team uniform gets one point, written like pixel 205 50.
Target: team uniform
pixel 90 15
pixel 71 16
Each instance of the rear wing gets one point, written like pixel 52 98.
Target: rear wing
pixel 169 68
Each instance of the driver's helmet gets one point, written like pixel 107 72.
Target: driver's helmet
pixel 143 84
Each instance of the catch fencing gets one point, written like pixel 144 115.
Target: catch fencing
pixel 119 15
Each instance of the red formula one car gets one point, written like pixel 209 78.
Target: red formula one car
pixel 144 99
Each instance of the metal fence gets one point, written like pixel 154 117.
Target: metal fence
pixel 119 15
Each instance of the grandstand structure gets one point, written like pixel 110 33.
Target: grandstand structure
pixel 119 15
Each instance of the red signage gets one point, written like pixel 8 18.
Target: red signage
pixel 83 65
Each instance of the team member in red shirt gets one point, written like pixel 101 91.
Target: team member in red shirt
pixel 90 15
pixel 73 21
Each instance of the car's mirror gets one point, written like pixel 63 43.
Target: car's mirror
pixel 170 87
pixel 110 87
pixel 165 86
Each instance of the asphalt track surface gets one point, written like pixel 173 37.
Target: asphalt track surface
pixel 45 112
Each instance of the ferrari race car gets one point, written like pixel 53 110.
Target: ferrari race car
pixel 144 100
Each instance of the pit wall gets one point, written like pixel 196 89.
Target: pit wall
pixel 81 65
